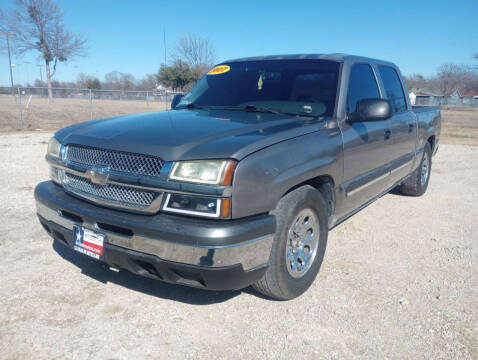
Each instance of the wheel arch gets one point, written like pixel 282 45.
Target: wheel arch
pixel 432 141
pixel 325 184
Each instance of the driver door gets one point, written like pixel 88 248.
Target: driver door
pixel 367 144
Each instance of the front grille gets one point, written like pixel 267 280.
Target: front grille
pixel 130 163
pixel 123 196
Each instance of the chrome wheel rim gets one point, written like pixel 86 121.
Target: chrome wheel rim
pixel 302 243
pixel 425 169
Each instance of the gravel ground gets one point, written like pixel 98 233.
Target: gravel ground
pixel 399 280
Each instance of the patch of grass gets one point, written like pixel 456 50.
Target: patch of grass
pixel 459 126
pixel 39 114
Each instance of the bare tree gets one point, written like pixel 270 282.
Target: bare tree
pixel 416 81
pixel 452 77
pixel 196 51
pixel 38 25
pixel 116 80
pixel 149 82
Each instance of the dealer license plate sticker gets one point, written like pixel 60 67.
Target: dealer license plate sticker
pixel 88 242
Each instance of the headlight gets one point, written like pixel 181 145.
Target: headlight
pixel 54 148
pixel 212 172
pixel 197 205
pixel 56 174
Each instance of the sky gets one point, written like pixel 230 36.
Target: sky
pixel 127 36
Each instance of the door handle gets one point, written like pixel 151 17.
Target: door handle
pixel 387 135
pixel 410 127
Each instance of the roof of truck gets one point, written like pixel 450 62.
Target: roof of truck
pixel 334 57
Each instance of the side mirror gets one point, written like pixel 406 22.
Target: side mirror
pixel 372 110
pixel 176 99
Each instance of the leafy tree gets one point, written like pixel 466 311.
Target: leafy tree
pixel 178 76
pixel 93 83
pixel 38 25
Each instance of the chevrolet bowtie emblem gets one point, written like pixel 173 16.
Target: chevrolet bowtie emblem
pixel 98 174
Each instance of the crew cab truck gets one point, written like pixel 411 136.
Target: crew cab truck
pixel 241 180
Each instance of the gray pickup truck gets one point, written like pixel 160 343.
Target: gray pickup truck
pixel 239 183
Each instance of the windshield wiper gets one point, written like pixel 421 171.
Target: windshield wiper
pixel 265 109
pixel 194 106
pixel 248 108
pixel 190 106
pixel 254 108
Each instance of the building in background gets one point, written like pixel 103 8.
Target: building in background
pixel 427 97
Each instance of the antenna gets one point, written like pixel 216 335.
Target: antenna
pixel 41 76
pixel 164 39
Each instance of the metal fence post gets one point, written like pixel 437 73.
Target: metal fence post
pixel 147 99
pixel 91 106
pixel 20 107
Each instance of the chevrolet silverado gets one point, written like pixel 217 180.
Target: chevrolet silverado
pixel 239 183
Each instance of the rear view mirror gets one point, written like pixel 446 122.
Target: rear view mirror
pixel 372 110
pixel 176 99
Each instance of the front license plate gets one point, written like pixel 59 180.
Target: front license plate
pixel 88 242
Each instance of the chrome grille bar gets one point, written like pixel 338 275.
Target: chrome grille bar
pixel 137 164
pixel 112 194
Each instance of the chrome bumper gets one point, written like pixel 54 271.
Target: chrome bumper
pixel 251 253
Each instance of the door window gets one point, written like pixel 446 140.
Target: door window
pixel 393 88
pixel 362 85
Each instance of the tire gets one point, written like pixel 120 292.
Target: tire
pixel 415 184
pixel 283 281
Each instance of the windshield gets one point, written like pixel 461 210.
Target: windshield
pixel 300 87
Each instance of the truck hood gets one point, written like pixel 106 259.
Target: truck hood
pixel 189 134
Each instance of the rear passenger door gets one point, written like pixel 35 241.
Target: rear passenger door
pixel 403 123
pixel 367 154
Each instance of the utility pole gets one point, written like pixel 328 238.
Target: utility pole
pixel 9 60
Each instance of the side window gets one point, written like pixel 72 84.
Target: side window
pixel 362 85
pixel 393 88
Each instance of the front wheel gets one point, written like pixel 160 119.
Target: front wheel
pixel 299 244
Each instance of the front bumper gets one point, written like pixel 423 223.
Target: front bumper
pixel 212 254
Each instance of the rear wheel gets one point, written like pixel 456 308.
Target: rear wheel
pixel 417 183
pixel 299 244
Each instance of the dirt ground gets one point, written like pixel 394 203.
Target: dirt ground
pixel 399 280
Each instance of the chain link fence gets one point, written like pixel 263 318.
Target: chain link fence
pixel 467 101
pixel 29 108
